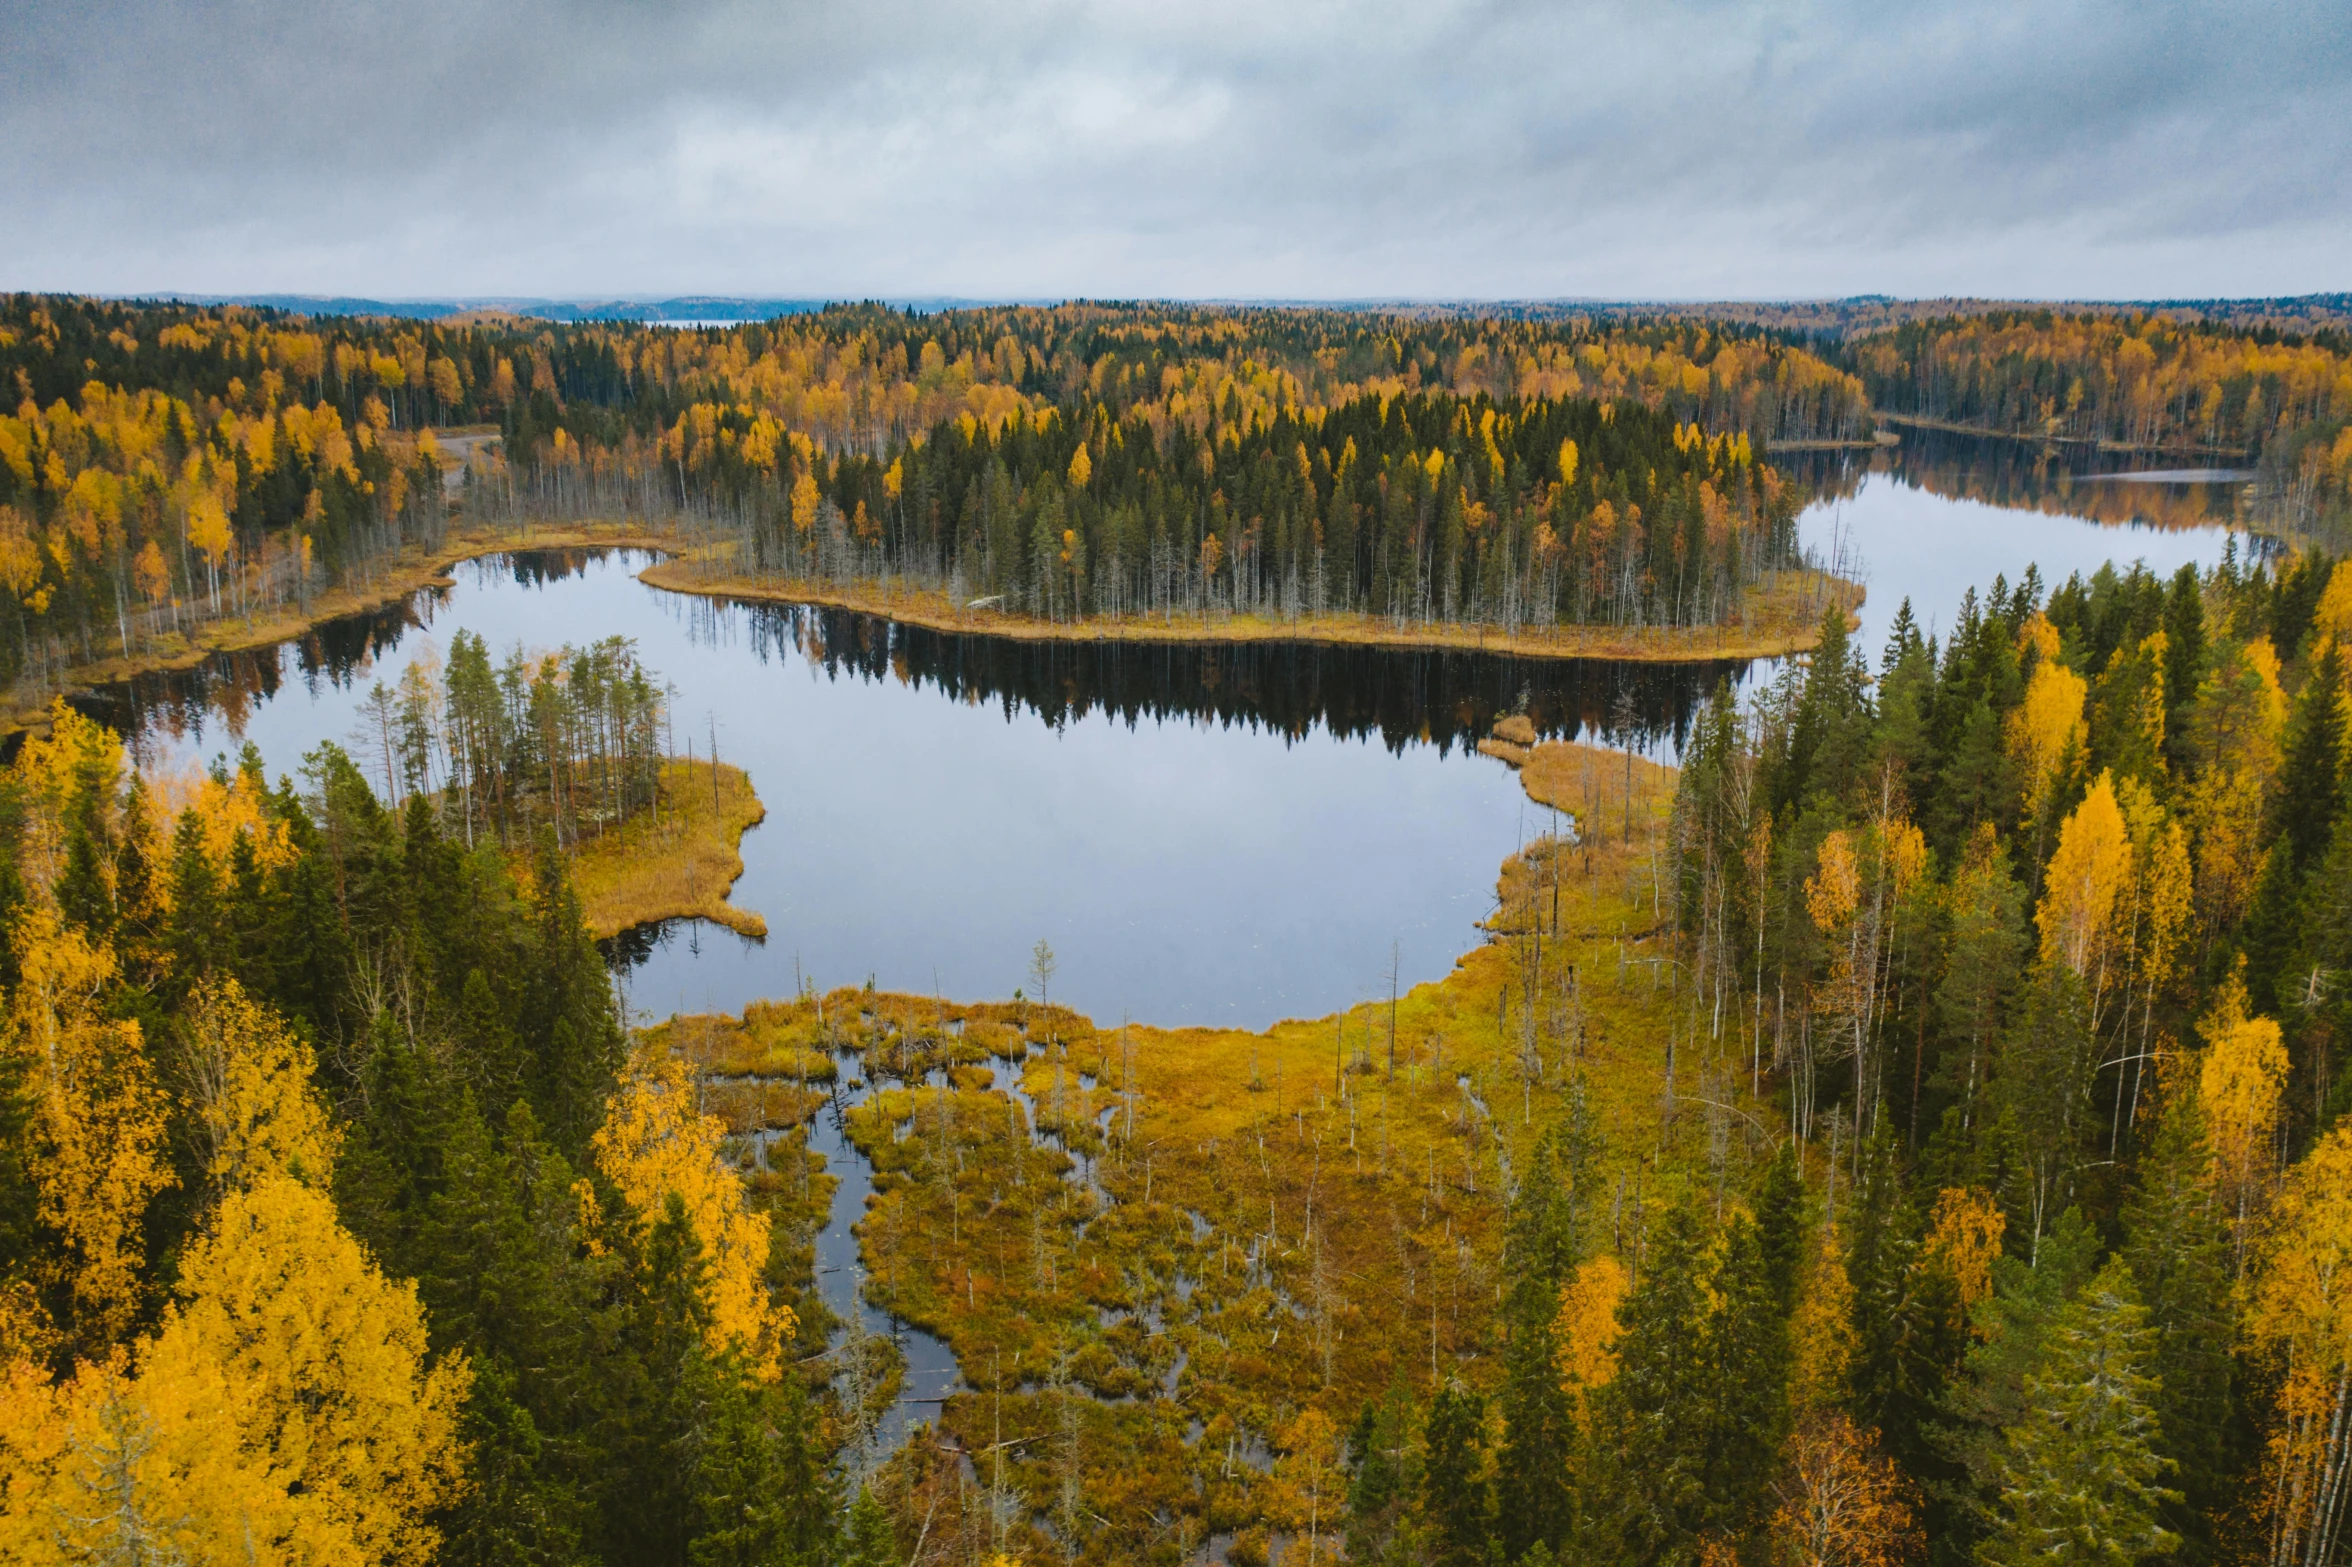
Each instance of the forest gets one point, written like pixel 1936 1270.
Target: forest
pixel 1910 1131
pixel 2137 381
pixel 168 468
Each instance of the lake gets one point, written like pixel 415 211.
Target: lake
pixel 1213 835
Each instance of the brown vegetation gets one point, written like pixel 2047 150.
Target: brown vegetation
pixel 676 862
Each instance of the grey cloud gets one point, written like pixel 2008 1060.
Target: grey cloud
pixel 1319 149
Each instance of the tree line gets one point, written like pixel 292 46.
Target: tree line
pixel 2144 380
pixel 165 465
pixel 1428 508
pixel 572 740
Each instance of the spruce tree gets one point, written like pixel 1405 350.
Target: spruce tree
pixel 1455 1500
pixel 1543 1245
pixel 1991 1397
pixel 1747 1353
pixel 760 1497
pixel 1652 1425
pixel 2177 1246
pixel 2311 781
pixel 1384 1482
pixel 2080 1475
pixel 868 1540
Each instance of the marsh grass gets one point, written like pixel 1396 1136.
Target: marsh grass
pixel 1209 1231
pixel 674 862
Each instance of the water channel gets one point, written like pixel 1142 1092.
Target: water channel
pixel 1218 835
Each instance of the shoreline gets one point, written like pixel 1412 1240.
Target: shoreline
pixel 1783 618
pixel 2034 438
pixel 1794 626
pixel 682 866
pixel 25 708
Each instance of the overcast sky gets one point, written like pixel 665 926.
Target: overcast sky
pixel 1223 148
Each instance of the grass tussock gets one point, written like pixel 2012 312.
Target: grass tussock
pixel 1188 1237
pixel 676 862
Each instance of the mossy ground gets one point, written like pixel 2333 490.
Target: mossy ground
pixel 1214 1229
pixel 677 862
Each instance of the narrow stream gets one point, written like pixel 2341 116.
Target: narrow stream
pixel 931 1373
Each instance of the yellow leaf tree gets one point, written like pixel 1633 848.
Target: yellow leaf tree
pixel 2302 1317
pixel 1586 1331
pixel 97 1156
pixel 655 1143
pixel 2088 880
pixel 250 1078
pixel 2240 1081
pixel 2234 731
pixel 1842 1503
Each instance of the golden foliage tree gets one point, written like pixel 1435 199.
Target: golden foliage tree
pixel 2240 1081
pixel 655 1143
pixel 99 1119
pixel 1586 1330
pixel 1842 1503
pixel 2302 1317
pixel 255 1113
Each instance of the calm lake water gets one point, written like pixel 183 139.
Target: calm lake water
pixel 1207 835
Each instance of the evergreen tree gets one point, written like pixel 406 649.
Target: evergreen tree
pixel 1544 1243
pixel 1653 1423
pixel 2177 1246
pixel 1455 1498
pixel 83 889
pixel 2014 1324
pixel 1385 1475
pixel 1828 732
pixel 2080 1474
pixel 760 1497
pixel 868 1541
pixel 1747 1354
pixel 192 934
pixel 2311 780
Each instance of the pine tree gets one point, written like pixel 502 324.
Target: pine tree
pixel 2079 1476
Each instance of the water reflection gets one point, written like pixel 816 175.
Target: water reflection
pixel 1404 697
pixel 1219 834
pixel 2069 480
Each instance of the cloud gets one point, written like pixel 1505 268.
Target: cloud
pixel 1457 148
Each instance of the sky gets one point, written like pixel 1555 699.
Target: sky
pixel 1314 149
